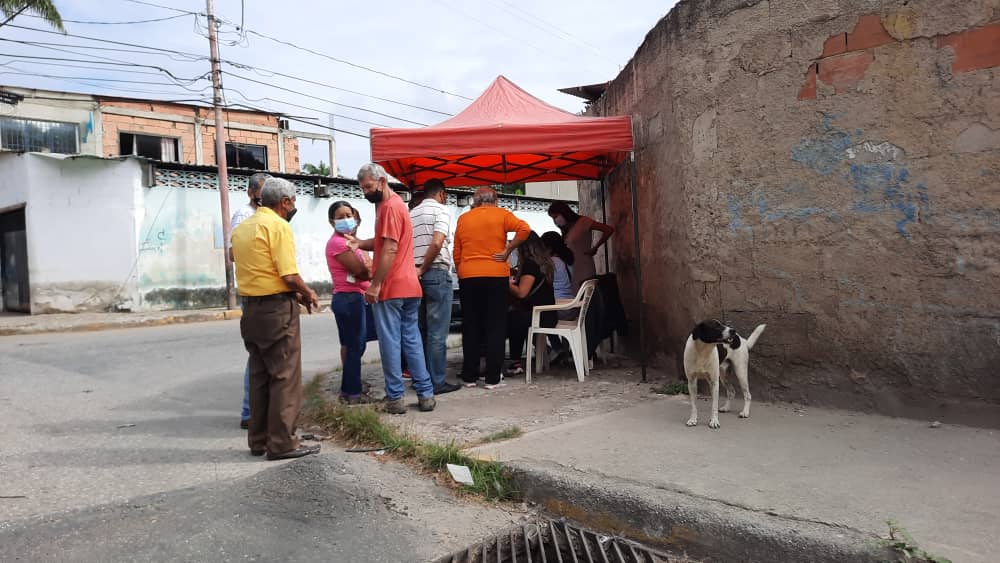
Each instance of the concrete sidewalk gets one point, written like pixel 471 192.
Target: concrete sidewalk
pixel 827 479
pixel 14 324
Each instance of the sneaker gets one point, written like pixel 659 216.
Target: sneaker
pixel 396 406
pixel 426 404
pixel 407 374
pixel 515 369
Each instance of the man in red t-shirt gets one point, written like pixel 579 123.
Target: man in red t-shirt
pixel 395 292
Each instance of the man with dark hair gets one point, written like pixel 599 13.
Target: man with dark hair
pixel 431 233
pixel 271 288
pixel 254 186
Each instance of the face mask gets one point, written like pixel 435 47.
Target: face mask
pixel 559 221
pixel 291 214
pixel 374 197
pixel 345 226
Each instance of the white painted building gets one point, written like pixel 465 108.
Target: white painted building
pixel 84 233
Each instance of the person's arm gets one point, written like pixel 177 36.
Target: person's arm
pixel 456 248
pixel 350 261
pixel 521 230
pixel 355 243
pixel 304 293
pixel 385 259
pixel 282 243
pixel 442 224
pixel 433 249
pixel 522 288
pixel 606 232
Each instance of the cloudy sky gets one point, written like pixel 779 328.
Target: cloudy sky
pixel 416 50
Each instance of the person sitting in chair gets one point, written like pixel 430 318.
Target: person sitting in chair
pixel 531 287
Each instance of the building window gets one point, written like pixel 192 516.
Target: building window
pixel 38 136
pixel 163 149
pixel 239 155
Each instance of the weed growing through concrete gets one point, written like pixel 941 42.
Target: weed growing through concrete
pixel 672 388
pixel 364 425
pixel 902 545
pixel 505 434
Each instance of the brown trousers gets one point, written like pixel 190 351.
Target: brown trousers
pixel 270 330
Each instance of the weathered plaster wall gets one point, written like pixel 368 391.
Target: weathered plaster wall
pixel 80 216
pixel 830 168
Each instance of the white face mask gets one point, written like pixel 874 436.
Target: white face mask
pixel 559 221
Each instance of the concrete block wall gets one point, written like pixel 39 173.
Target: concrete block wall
pixel 830 168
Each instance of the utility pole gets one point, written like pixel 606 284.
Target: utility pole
pixel 220 153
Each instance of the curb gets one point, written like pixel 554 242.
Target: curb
pixel 125 323
pixel 682 522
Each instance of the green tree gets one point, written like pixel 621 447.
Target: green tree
pixel 45 9
pixel 321 170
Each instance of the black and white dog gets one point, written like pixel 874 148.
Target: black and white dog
pixel 712 349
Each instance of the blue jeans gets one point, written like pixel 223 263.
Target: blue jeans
pixel 352 327
pixel 435 320
pixel 245 413
pixel 399 335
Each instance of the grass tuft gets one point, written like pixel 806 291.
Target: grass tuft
pixel 364 425
pixel 505 434
pixel 905 549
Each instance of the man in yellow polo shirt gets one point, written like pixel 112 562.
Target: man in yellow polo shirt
pixel 271 289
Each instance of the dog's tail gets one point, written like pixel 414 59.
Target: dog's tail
pixel 754 336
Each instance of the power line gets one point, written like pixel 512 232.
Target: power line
pixel 114 63
pixel 98 79
pixel 53 47
pixel 92 22
pixel 238 65
pixel 164 7
pixel 356 65
pixel 324 99
pixel 553 26
pixel 283 75
pixel 172 76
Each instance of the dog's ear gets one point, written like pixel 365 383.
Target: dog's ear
pixel 736 342
pixel 699 332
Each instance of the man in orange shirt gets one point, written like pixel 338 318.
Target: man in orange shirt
pixel 395 292
pixel 481 252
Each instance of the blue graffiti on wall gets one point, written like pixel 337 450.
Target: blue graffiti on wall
pixel 881 184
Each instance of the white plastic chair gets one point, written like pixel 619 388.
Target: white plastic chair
pixel 574 331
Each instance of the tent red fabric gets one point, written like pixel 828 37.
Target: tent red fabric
pixel 505 136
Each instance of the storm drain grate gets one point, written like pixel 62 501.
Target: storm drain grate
pixel 551 541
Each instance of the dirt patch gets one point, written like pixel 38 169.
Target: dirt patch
pixel 553 397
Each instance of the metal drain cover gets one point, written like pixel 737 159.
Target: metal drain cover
pixel 551 541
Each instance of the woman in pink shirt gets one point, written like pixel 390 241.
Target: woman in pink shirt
pixel 350 272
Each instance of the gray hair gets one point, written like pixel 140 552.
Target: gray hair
pixel 276 189
pixel 484 196
pixel 373 171
pixel 256 182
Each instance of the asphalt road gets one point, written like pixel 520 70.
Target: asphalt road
pixel 124 445
pixel 100 417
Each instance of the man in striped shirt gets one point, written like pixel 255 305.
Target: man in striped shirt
pixel 431 233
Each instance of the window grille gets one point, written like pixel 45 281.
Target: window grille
pixel 38 136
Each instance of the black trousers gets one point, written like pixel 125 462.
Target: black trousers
pixel 484 325
pixel 518 323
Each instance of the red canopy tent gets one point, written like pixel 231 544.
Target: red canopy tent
pixel 505 136
pixel 508 136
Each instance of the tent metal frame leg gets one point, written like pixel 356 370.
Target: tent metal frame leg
pixel 638 266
